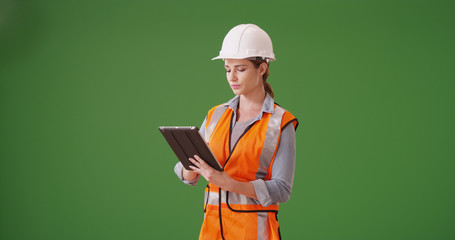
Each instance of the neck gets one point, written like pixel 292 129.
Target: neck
pixel 252 101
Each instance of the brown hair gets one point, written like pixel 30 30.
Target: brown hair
pixel 267 86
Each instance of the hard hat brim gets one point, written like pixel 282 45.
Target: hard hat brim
pixel 217 57
pixel 221 57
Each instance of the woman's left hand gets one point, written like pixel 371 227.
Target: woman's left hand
pixel 220 179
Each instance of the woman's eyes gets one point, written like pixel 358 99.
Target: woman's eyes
pixel 239 70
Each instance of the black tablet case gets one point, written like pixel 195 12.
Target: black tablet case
pixel 187 142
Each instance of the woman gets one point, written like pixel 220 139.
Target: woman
pixel 253 139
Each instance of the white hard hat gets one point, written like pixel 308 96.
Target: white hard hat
pixel 246 41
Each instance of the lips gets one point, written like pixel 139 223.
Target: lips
pixel 235 86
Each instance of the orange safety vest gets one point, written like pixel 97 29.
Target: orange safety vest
pixel 233 216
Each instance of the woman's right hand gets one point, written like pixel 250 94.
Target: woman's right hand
pixel 188 174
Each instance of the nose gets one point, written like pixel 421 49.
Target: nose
pixel 232 76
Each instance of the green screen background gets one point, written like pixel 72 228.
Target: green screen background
pixel 85 84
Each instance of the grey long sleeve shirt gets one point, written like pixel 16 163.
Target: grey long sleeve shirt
pixel 278 188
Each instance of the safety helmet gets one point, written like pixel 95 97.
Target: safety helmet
pixel 247 41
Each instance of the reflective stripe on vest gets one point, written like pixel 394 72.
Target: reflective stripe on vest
pixel 270 143
pixel 213 121
pixel 234 199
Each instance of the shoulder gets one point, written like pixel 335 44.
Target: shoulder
pixel 216 106
pixel 287 118
pixel 215 113
pixel 220 107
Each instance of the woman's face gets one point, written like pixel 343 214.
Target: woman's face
pixel 243 77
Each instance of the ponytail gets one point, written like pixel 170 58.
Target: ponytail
pixel 268 89
pixel 267 86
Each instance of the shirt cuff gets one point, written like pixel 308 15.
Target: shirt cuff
pixel 262 193
pixel 178 171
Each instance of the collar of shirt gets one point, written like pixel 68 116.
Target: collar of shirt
pixel 268 106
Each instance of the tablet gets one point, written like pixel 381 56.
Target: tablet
pixel 187 142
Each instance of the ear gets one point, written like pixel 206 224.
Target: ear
pixel 262 68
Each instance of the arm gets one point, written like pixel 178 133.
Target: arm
pixel 278 188
pixel 178 169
